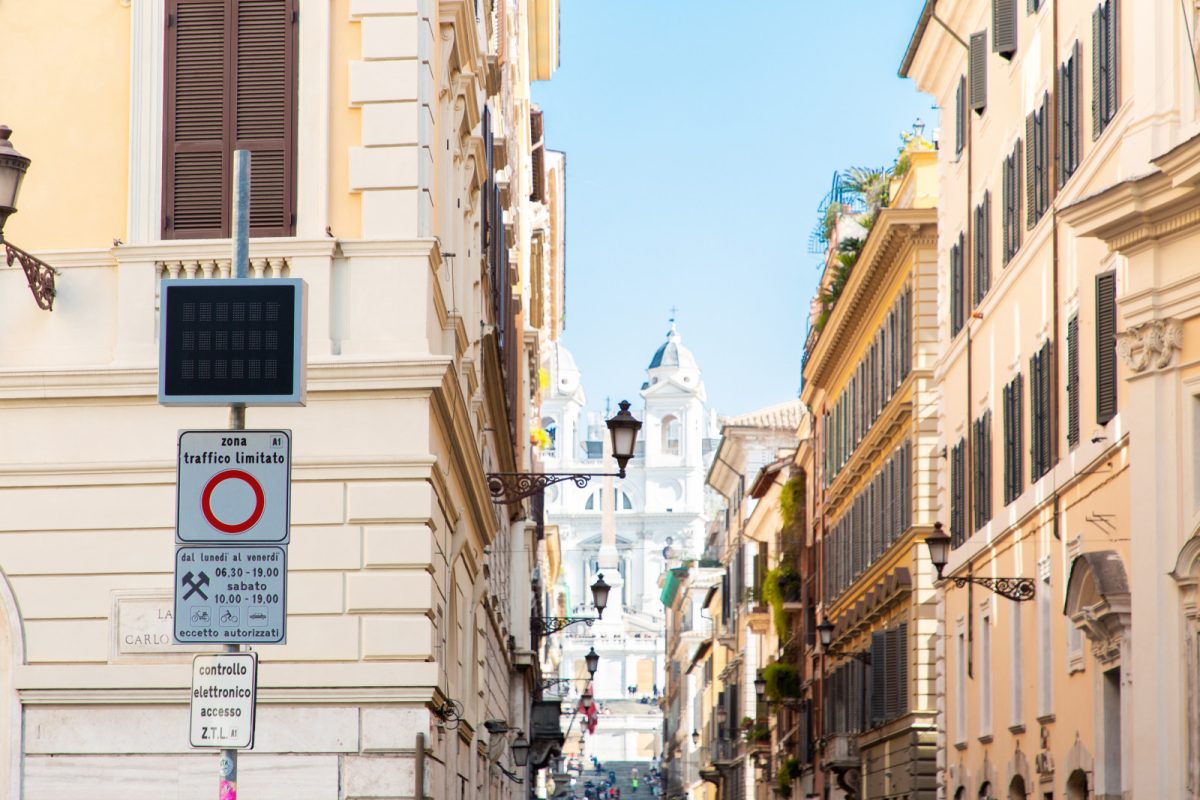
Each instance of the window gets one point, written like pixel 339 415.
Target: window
pixel 960 686
pixel 1031 6
pixel 958 289
pixel 1014 480
pixel 550 426
pixel 960 116
pixel 1041 413
pixel 1106 347
pixel 1037 161
pixel 889 674
pixel 1004 27
pixel 230 75
pixel 958 497
pixel 1012 203
pixel 977 70
pixel 670 436
pixel 985 672
pixel 1017 675
pixel 982 457
pixel 1105 68
pixel 1045 641
pixel 1073 381
pixel 1068 115
pixel 982 276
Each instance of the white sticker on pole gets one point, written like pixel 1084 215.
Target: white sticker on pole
pixel 234 487
pixel 223 700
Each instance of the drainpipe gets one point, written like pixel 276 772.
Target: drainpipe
pixel 419 768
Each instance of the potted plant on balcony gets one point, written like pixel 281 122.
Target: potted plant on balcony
pixel 789 770
pixel 782 681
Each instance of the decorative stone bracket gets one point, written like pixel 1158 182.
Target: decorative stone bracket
pixel 1150 344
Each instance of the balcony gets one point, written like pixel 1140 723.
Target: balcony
pixel 841 752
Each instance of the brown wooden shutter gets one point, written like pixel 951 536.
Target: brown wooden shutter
pixel 902 669
pixel 265 116
pixel 977 70
pixel 230 77
pixel 537 157
pixel 1031 216
pixel 196 119
pixel 958 494
pixel 1004 27
pixel 1073 381
pixel 1106 347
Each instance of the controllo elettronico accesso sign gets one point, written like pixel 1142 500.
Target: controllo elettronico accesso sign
pixel 224 341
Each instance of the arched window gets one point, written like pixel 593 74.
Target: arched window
pixel 1016 789
pixel 671 435
pixel 985 791
pixel 550 426
pixel 626 503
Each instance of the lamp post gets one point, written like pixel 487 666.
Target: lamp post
pixel 760 685
pixel 592 659
pixel 1016 589
pixel 548 625
pixel 509 487
pixel 587 699
pixel 825 631
pixel 695 737
pixel 520 750
pixel 38 273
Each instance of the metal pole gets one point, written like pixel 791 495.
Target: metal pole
pixel 227 788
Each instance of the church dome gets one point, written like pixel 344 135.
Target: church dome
pixel 672 353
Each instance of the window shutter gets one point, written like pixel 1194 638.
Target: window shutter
pixel 537 162
pixel 1004 27
pixel 1031 6
pixel 1106 347
pixel 1008 443
pixel 878 678
pixel 1031 216
pixel 902 668
pixel 265 120
pixel 196 119
pixel 1019 435
pixel 960 116
pixel 1099 82
pixel 958 494
pixel 957 290
pixel 1073 381
pixel 892 660
pixel 977 70
pixel 1113 73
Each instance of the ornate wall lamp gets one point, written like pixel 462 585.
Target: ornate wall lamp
pixel 548 625
pixel 38 273
pixel 825 632
pixel 592 659
pixel 509 487
pixel 1015 589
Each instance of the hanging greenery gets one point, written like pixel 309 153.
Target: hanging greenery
pixel 791 500
pixel 783 680
pixel 789 770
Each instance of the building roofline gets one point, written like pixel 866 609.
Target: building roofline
pixel 915 40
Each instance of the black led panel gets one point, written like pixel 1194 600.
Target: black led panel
pixel 232 341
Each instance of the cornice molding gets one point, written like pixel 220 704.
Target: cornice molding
pixel 881 257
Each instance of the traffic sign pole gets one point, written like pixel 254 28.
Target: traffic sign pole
pixel 227 766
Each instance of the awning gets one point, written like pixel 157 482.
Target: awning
pixel 701 651
pixel 671 584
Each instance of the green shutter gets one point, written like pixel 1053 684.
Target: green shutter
pixel 1004 27
pixel 1106 347
pixel 1073 381
pixel 977 71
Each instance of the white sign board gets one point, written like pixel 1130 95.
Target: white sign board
pixel 223 699
pixel 234 487
pixel 231 595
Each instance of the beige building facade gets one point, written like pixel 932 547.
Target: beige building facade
pixel 400 170
pixel 1041 694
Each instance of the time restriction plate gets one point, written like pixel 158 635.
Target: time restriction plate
pixel 234 487
pixel 230 595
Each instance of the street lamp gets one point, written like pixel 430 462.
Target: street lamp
pixel 38 273
pixel 722 715
pixel 695 737
pixel 549 625
pixel 1016 589
pixel 587 699
pixel 592 659
pixel 825 632
pixel 760 685
pixel 520 750
pixel 509 487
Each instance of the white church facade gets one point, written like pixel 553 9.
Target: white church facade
pixel 626 529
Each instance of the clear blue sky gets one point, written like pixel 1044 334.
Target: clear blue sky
pixel 700 136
